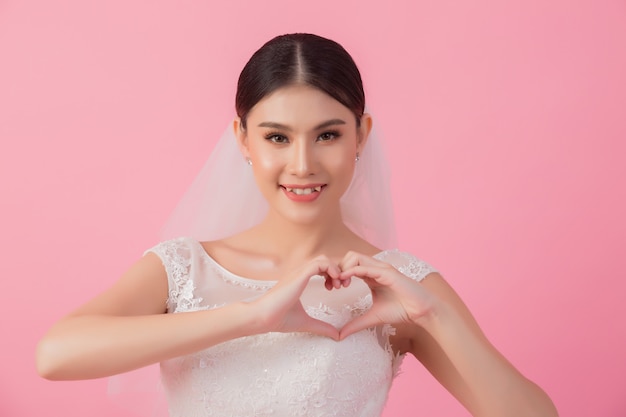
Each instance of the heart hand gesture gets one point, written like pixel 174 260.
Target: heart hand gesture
pixel 396 298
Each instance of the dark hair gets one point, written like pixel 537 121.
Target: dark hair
pixel 300 58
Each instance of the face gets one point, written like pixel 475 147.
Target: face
pixel 302 144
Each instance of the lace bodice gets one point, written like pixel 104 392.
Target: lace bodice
pixel 277 374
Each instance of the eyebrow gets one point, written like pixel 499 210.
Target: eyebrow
pixel 328 123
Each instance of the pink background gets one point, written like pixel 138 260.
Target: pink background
pixel 505 122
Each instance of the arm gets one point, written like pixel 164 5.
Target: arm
pixel 450 344
pixel 443 335
pixel 125 327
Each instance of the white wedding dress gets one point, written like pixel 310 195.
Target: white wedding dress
pixel 277 374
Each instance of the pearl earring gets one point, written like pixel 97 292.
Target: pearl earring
pixel 357 158
pixel 249 161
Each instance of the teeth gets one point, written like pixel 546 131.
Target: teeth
pixel 304 191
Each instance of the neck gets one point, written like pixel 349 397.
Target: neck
pixel 306 240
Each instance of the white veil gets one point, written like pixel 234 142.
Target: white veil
pixel 224 200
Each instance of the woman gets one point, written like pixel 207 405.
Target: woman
pixel 302 313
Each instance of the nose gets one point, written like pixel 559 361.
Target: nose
pixel 301 159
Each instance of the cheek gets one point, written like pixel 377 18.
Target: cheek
pixel 340 158
pixel 341 164
pixel 266 163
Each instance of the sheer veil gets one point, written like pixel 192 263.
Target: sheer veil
pixel 224 200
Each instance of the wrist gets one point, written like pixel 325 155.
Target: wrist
pixel 246 320
pixel 435 318
pixel 254 319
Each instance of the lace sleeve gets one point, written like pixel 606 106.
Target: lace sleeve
pixel 176 257
pixel 408 264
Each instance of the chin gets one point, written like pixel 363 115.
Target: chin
pixel 306 217
pixel 305 220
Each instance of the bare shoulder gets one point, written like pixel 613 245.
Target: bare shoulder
pixel 230 248
pixel 142 289
pixel 216 247
pixel 243 256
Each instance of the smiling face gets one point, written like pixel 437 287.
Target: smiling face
pixel 302 144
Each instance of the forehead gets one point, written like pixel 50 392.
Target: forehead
pixel 298 105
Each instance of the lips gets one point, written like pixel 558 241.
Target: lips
pixel 302 193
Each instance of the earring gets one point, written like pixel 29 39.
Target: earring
pixel 357 158
pixel 249 161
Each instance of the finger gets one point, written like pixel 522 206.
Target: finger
pixel 331 283
pixel 361 271
pixel 365 321
pixel 327 268
pixel 371 275
pixel 346 282
pixel 321 328
pixel 333 270
pixel 321 266
pixel 352 259
pixel 328 284
pixel 336 283
pixel 348 261
pixel 294 286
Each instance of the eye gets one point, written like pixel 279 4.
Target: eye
pixel 328 136
pixel 276 138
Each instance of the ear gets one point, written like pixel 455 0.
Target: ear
pixel 242 137
pixel 364 131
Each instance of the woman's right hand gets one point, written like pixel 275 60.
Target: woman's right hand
pixel 280 309
pixel 125 327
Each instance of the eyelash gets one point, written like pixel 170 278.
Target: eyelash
pixel 335 135
pixel 271 136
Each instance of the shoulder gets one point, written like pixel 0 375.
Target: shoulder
pixel 181 246
pixel 239 257
pixel 407 263
pixel 178 256
pixel 225 250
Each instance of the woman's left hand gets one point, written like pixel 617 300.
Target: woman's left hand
pixel 396 298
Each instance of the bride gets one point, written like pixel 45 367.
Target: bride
pixel 294 303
